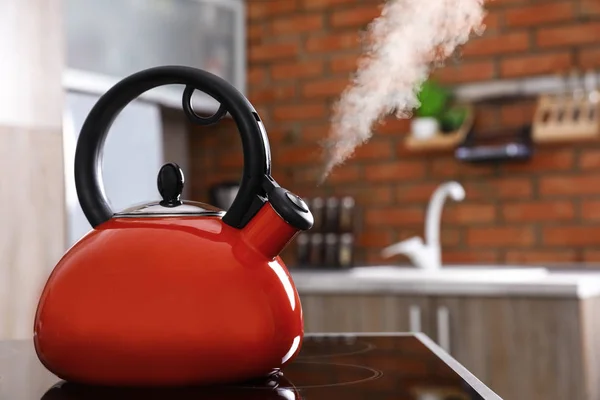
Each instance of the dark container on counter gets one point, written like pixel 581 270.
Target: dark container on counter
pixel 332 215
pixel 303 249
pixel 316 250
pixel 317 208
pixel 346 251
pixel 346 215
pixel 330 259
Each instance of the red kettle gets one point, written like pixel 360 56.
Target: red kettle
pixel 175 292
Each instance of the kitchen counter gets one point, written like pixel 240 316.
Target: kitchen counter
pixel 527 333
pixel 568 281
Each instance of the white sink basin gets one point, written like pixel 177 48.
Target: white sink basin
pixel 449 273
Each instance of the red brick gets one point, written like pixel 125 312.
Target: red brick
pixel 297 69
pixel 418 192
pixel 374 150
pixel 491 21
pixel 296 155
pixel 539 14
pixel 469 257
pixel 324 88
pixel 315 132
pixel 272 94
pixel 273 51
pixel 589 58
pixel 590 159
pixel 332 42
pixel 538 211
pixel 590 210
pixel 345 173
pixel 260 9
pixel 355 17
pixel 503 3
pixel 394 171
pixel 395 216
pixel 573 236
pixel 500 237
pixel 570 35
pixel 263 111
pixel 497 44
pixel 368 195
pixel 308 175
pixel 444 168
pixel 553 160
pixel 278 135
pixel 540 256
pixel 256 75
pixel 375 239
pixel 465 72
pixel 322 4
pixel 590 7
pixel 468 213
pixel 344 63
pixel 450 237
pixel 393 126
pixel 256 32
pixel 297 24
pixel 592 256
pixel 536 64
pixel 299 112
pixel 578 185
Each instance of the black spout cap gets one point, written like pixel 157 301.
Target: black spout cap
pixel 289 206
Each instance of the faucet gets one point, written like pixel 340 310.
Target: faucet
pixel 428 255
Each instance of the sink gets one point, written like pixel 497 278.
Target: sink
pixel 452 272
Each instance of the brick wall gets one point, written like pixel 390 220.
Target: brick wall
pixel 300 55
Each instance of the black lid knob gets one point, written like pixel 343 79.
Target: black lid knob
pixel 170 184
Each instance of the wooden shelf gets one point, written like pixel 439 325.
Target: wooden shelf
pixel 442 141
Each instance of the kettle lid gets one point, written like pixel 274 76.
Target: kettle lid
pixel 170 183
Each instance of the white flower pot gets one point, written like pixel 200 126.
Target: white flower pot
pixel 423 128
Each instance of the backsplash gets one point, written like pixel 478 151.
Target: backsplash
pixel 543 211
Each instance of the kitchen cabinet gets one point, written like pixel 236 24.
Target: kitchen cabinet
pixel 521 347
pixel 111 39
pixel 365 313
pixel 524 348
pixel 132 155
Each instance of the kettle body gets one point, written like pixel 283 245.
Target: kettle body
pixel 174 292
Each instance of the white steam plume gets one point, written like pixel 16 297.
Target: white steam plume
pixel 403 45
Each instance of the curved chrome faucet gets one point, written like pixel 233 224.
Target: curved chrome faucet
pixel 428 255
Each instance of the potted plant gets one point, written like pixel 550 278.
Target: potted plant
pixel 433 100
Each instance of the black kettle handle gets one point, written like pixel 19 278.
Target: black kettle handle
pixel 257 155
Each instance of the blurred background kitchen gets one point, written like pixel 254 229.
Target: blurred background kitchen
pixel 513 120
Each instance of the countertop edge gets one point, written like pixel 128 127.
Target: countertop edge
pixel 572 284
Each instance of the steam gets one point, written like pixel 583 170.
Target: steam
pixel 403 46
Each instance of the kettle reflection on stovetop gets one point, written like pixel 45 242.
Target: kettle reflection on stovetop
pixel 175 292
pixel 272 388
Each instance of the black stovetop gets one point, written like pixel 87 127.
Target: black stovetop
pixel 332 366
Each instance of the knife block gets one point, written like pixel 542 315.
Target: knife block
pixel 565 119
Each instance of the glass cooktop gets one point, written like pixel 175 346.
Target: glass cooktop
pixel 330 366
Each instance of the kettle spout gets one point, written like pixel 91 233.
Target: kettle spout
pixel 277 222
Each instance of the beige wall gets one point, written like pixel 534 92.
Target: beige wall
pixel 32 216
